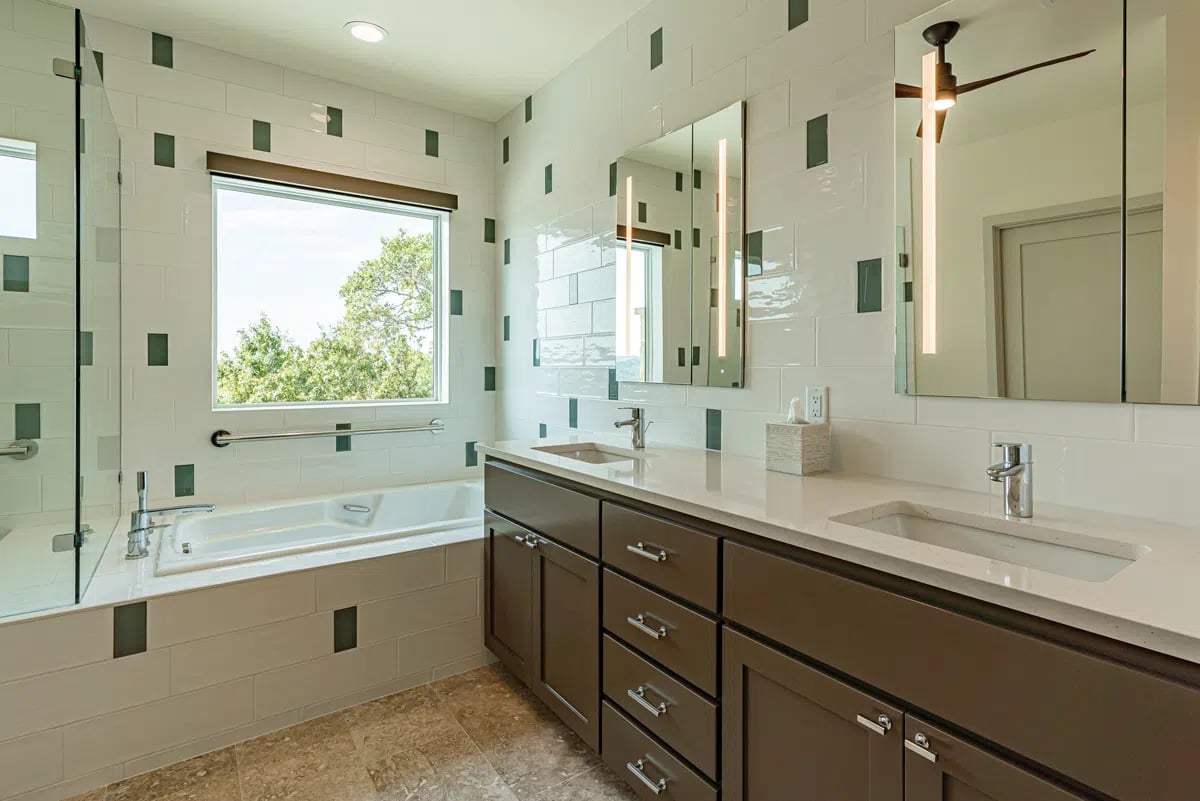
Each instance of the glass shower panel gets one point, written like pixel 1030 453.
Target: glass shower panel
pixel 99 377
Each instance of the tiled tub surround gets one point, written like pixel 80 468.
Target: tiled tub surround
pixel 1149 603
pixel 815 224
pixel 175 100
pixel 97 694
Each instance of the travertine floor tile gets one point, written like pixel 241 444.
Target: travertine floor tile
pixel 398 722
pixel 213 774
pixel 598 784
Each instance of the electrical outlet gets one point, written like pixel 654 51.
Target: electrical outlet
pixel 816 404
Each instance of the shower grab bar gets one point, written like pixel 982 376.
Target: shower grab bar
pixel 20 450
pixel 223 438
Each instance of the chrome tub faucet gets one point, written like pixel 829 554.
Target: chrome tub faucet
pixel 141 523
pixel 637 423
pixel 1016 473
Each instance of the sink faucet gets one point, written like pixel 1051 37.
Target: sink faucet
pixel 1016 471
pixel 141 524
pixel 637 423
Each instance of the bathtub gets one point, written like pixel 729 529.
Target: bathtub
pixel 203 541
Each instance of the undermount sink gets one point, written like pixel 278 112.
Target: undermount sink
pixel 1063 553
pixel 590 452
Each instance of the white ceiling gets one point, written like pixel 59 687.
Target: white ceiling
pixel 476 57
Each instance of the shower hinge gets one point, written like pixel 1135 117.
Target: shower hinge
pixel 71 540
pixel 67 69
pixel 120 178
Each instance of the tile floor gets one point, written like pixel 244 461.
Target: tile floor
pixel 480 736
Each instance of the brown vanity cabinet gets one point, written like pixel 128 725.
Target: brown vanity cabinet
pixel 508 594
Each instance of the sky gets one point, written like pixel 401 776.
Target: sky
pixel 18 201
pixel 288 258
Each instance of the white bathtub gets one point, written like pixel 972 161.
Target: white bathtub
pixel 201 541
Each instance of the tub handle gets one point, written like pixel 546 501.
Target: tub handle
pixel 356 507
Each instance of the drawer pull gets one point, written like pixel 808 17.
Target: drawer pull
pixel 639 623
pixel 641 550
pixel 881 725
pixel 528 540
pixel 638 769
pixel 639 697
pixel 919 745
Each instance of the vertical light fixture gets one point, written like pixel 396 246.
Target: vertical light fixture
pixel 629 348
pixel 929 122
pixel 722 248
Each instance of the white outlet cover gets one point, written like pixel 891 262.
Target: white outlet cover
pixel 816 404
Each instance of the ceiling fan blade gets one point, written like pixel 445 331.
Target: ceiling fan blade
pixel 905 90
pixel 970 87
pixel 941 125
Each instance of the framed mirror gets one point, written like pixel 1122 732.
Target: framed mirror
pixel 1009 190
pixel 680 277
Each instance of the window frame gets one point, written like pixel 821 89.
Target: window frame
pixel 441 289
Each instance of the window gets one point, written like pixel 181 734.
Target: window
pixel 18 176
pixel 322 298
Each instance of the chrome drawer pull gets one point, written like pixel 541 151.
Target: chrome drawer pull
pixel 532 542
pixel 639 697
pixel 639 623
pixel 641 550
pixel 639 769
pixel 881 725
pixel 919 745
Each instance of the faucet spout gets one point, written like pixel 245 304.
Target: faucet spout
pixel 1016 473
pixel 637 424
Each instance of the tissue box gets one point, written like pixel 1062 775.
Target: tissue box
pixel 798 448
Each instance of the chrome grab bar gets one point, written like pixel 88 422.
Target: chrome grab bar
pixel 223 438
pixel 20 449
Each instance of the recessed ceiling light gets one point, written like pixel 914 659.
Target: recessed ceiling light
pixel 365 31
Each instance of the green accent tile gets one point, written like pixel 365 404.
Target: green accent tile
pixel 797 13
pixel 333 126
pixel 185 480
pixel 613 387
pixel 504 151
pixel 695 355
pixel 162 50
pixel 86 349
pixel 656 49
pixel 345 629
pixel 678 182
pixel 129 629
pixel 456 302
pixel 908 291
pixel 573 412
pixel 489 379
pixel 507 328
pixel 549 178
pixel 262 136
pixel 612 179
pixel 431 143
pixel 16 273
pixel 678 239
pixel 157 350
pixel 870 286
pixel 99 63
pixel 695 237
pixel 27 421
pixel 818 141
pixel 472 458
pixel 542 431
pixel 508 251
pixel 529 109
pixel 754 253
pixel 489 230
pixel 643 211
pixel 712 429
pixel 342 444
pixel 697 179
pixel 537 354
pixel 164 150
pixel 573 289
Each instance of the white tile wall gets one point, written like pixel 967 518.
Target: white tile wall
pixel 817 225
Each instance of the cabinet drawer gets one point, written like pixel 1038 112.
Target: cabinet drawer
pixel 570 517
pixel 1120 730
pixel 680 717
pixel 648 768
pixel 673 635
pixel 679 560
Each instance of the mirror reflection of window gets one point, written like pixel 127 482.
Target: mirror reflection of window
pixel 18 189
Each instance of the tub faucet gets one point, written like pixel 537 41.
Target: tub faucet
pixel 1016 473
pixel 141 523
pixel 637 423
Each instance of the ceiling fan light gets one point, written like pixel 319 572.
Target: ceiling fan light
pixel 943 103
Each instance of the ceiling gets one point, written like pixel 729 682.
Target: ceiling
pixel 475 57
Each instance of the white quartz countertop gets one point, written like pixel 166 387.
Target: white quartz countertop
pixel 1153 602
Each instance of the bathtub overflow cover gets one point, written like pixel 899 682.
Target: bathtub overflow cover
pixel 187 547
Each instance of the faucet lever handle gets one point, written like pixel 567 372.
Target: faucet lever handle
pixel 1015 452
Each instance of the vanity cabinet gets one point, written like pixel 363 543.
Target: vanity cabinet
pixel 508 594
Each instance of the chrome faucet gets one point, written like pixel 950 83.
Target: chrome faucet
pixel 141 523
pixel 1016 472
pixel 637 423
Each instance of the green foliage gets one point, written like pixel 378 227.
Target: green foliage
pixel 380 350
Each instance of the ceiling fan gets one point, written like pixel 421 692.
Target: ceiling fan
pixel 948 91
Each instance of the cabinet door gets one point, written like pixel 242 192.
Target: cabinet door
pixel 791 731
pixel 566 637
pixel 508 593
pixel 941 767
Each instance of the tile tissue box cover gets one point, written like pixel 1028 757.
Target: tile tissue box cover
pixel 798 448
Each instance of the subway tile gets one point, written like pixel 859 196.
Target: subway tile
pixel 149 80
pixel 189 616
pixel 50 644
pixel 357 582
pixel 295 686
pixel 863 340
pixel 464 560
pixel 423 610
pixel 224 66
pixel 441 646
pixel 1108 421
pixel 784 342
pixel 27 763
pixel 324 91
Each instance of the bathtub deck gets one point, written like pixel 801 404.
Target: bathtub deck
pixel 479 736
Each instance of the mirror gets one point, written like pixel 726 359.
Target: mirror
pixel 678 253
pixel 1009 155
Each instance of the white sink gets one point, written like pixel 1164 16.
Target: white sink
pixel 590 452
pixel 1064 553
